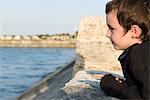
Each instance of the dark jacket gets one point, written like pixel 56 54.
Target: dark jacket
pixel 135 62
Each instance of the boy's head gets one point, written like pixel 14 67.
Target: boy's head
pixel 131 15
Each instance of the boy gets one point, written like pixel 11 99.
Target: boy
pixel 129 30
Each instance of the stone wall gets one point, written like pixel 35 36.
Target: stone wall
pixel 93 49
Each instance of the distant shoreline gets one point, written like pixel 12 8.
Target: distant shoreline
pixel 38 43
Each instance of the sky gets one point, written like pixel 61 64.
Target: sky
pixel 26 17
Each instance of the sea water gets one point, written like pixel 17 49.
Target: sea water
pixel 20 68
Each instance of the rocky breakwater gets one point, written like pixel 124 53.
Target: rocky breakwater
pixel 95 57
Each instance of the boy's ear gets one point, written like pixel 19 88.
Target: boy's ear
pixel 135 31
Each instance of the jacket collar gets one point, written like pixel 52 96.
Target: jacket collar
pixel 125 53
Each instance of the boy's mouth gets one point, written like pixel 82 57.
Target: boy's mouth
pixel 111 41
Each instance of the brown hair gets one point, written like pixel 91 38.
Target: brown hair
pixel 132 12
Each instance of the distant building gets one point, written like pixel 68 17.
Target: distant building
pixel 17 37
pixel 26 37
pixel 8 37
pixel 2 37
pixel 5 37
pixel 63 38
pixel 35 37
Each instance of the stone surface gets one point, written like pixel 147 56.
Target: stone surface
pixel 84 86
pixel 92 28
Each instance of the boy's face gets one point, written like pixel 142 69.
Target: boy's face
pixel 116 34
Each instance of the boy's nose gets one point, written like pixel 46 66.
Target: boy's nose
pixel 108 34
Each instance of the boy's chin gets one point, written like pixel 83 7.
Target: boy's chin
pixel 117 48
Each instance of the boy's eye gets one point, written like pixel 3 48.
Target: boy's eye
pixel 111 28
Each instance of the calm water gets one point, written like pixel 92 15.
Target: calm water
pixel 22 67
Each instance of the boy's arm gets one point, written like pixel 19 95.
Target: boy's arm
pixel 114 88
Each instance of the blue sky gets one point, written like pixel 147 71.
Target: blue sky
pixel 46 16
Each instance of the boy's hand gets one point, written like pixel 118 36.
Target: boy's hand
pixel 111 82
pixel 117 79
